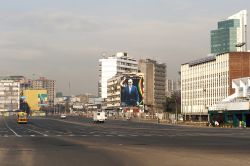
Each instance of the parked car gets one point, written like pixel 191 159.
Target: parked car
pixel 99 117
pixel 63 116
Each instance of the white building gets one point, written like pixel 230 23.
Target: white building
pixel 206 81
pixel 239 100
pixel 242 29
pixel 9 95
pixel 112 65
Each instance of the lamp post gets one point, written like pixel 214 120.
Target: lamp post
pixel 204 101
pixel 240 45
pixel 176 113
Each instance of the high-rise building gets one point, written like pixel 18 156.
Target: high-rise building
pixel 9 94
pixel 49 85
pixel 207 81
pixel 172 86
pixel 231 35
pixel 112 65
pixel 154 84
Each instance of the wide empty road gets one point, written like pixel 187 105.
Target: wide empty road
pixel 77 141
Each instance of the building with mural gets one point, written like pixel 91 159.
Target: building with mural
pixel 35 98
pixel 121 96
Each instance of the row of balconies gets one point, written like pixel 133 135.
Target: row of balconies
pixel 160 83
pixel 160 74
pixel 113 88
pixel 113 99
pixel 113 105
pixel 159 88
pixel 160 80
pixel 113 93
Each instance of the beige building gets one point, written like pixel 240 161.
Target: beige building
pixel 49 85
pixel 154 84
pixel 206 81
pixel 114 93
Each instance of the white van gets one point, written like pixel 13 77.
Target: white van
pixel 99 116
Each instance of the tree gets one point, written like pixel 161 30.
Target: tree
pixel 172 102
pixel 24 106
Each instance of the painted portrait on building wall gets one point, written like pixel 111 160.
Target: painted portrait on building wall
pixel 131 91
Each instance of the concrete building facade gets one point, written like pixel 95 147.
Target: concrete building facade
pixel 235 108
pixel 49 85
pixel 172 86
pixel 206 81
pixel 9 95
pixel 154 84
pixel 112 65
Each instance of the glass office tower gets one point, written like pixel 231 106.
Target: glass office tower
pixel 231 34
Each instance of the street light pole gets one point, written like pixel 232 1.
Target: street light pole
pixel 176 114
pixel 204 101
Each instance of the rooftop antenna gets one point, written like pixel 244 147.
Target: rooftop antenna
pixel 69 89
pixel 104 54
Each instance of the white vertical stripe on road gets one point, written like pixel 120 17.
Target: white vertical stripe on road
pixel 11 129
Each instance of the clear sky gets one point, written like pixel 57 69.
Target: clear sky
pixel 63 39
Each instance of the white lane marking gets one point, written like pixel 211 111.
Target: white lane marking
pixel 71 135
pixel 133 135
pixel 84 135
pixel 38 132
pixel 109 135
pixel 5 135
pixel 121 135
pixel 32 135
pixel 58 135
pixel 11 129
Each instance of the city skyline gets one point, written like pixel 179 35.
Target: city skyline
pixel 64 40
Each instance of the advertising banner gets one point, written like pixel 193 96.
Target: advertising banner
pixel 131 91
pixel 42 99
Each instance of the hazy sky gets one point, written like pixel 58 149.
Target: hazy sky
pixel 63 39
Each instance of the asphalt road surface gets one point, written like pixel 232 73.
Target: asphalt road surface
pixel 77 141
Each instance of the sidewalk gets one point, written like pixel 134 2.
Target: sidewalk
pixel 165 122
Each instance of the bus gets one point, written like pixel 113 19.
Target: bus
pixel 22 117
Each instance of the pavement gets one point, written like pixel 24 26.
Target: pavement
pixel 77 141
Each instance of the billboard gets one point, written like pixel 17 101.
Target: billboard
pixel 42 99
pixel 131 91
pixel 35 98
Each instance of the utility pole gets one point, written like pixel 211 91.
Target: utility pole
pixel 176 113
